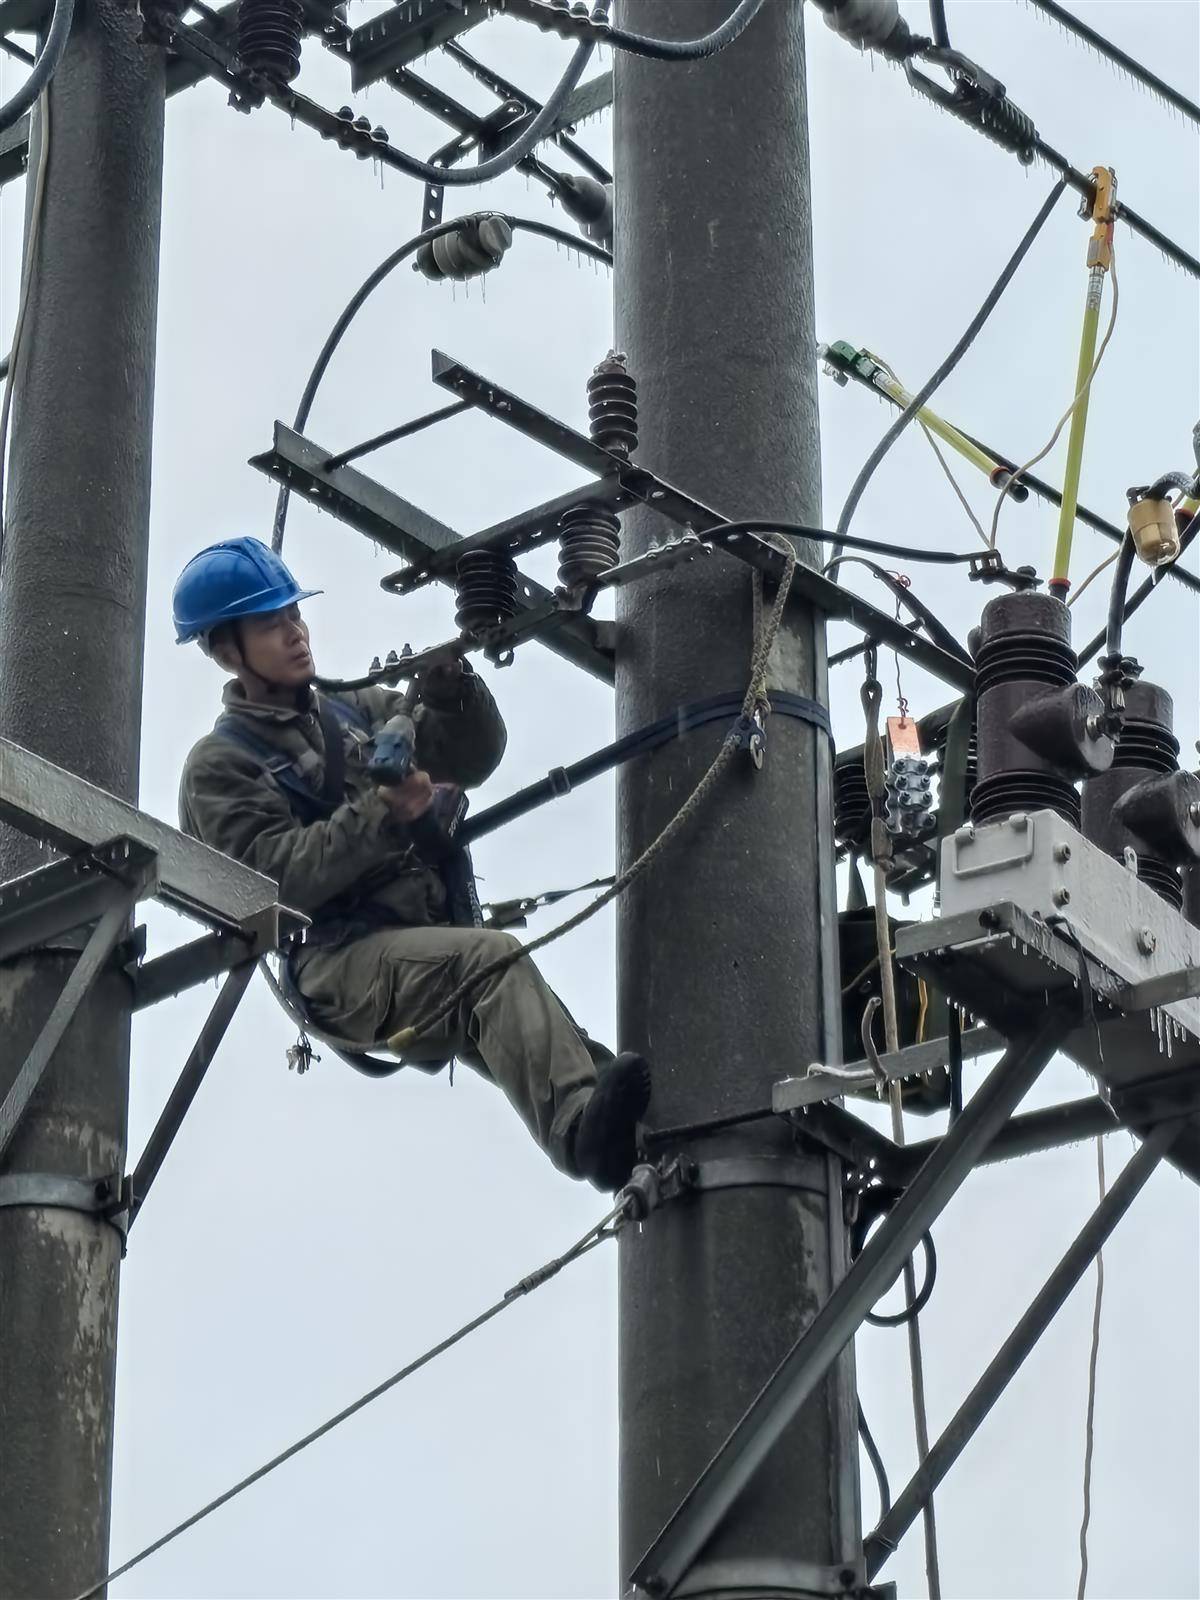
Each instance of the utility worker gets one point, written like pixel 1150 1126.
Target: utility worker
pixel 281 784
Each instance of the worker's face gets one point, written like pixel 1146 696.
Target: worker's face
pixel 275 648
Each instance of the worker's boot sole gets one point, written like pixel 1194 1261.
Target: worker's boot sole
pixel 606 1138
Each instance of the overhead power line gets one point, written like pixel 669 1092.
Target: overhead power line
pixel 606 1228
pixel 1119 57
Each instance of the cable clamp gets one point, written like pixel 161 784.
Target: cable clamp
pixel 107 1199
pixel 979 99
pixel 751 735
pixel 988 567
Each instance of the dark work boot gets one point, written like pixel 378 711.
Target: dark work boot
pixel 606 1134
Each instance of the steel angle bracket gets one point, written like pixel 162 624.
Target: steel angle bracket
pixel 415 536
pixel 407 31
pixel 681 508
pixel 41 906
pixel 821 1083
pixel 138 880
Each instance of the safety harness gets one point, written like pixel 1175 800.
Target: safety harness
pixel 350 918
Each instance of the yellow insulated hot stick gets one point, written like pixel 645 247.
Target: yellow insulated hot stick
pixel 1099 260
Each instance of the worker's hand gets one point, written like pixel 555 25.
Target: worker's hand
pixel 442 683
pixel 411 799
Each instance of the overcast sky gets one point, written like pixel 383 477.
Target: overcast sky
pixel 308 1236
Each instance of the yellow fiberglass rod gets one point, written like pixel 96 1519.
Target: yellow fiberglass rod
pixel 1099 259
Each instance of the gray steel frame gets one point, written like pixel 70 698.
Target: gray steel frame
pixel 881 1543
pixel 97 887
pixel 810 1358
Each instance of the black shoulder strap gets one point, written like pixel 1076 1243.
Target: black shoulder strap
pixel 279 766
pixel 333 789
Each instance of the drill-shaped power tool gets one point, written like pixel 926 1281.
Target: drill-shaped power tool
pixel 391 762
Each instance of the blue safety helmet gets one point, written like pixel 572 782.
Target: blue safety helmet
pixel 236 578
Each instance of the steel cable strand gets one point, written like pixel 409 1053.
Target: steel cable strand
pixel 605 1229
pixel 930 387
pixel 1127 64
pixel 688 49
pixel 764 643
pixel 541 230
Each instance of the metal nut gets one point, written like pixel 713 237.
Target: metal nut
pixel 1061 897
pixel 1147 943
pixel 1062 853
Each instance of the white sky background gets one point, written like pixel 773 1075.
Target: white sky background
pixel 307 1237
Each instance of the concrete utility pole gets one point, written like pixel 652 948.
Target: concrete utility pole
pixel 725 967
pixel 72 609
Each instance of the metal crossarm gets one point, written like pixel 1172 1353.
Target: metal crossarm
pixel 681 508
pixel 46 802
pixel 415 536
pixel 706 1504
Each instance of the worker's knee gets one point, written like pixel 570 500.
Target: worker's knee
pixel 481 946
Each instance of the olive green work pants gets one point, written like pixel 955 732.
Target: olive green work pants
pixel 511 1028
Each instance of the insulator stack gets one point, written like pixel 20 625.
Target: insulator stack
pixel 851 804
pixel 486 589
pixel 589 543
pixel 1144 803
pixel 589 540
pixel 269 36
pixel 613 406
pixel 1038 728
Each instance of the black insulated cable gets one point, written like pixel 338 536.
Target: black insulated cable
pixel 44 67
pixel 1141 594
pixel 937 24
pixel 877 1467
pixel 724 531
pixel 541 230
pixel 1118 57
pixel 1118 598
pixel 930 387
pixel 688 49
pixel 901 1319
pixel 531 135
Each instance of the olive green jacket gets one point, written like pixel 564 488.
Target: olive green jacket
pixel 361 852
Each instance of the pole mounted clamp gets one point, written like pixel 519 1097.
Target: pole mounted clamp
pixel 106 1198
